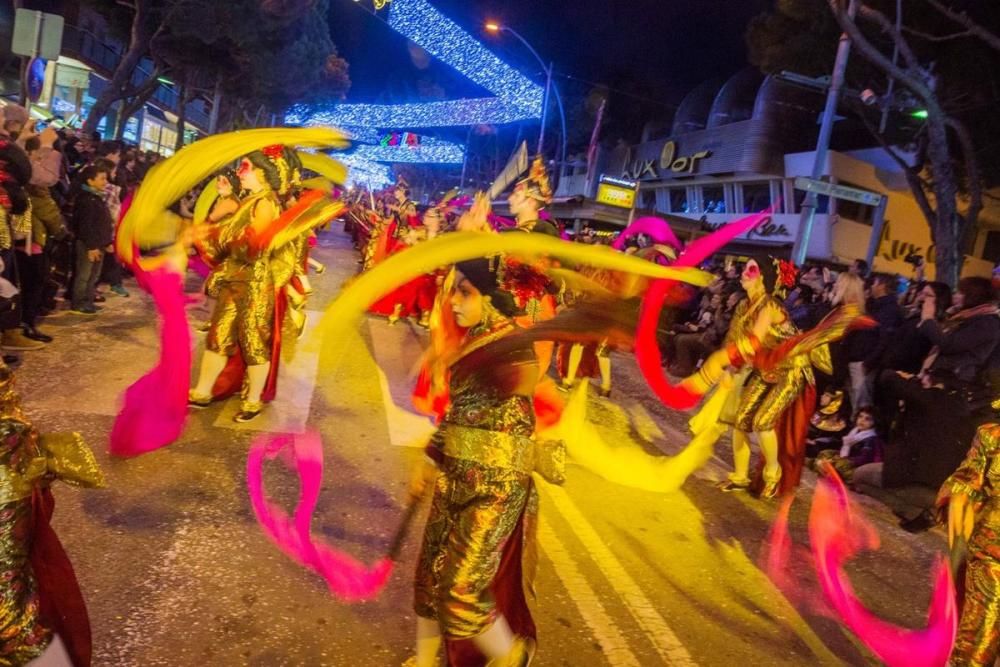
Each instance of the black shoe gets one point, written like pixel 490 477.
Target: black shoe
pixel 11 359
pixel 198 402
pixel 244 416
pixel 35 334
pixel 918 524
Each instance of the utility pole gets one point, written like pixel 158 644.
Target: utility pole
pixel 808 216
pixel 545 108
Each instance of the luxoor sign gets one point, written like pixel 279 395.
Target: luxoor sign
pixel 669 160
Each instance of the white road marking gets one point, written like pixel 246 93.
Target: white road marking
pixel 289 411
pixel 585 599
pixel 639 606
pixel 407 428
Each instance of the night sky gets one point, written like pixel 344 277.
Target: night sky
pixel 670 45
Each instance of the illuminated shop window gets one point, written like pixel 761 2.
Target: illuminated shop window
pixel 679 202
pixel 649 199
pixel 713 199
pixel 756 196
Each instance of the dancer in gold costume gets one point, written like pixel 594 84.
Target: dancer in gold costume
pixel 973 513
pixel 39 594
pixel 244 312
pixel 768 396
pixel 477 558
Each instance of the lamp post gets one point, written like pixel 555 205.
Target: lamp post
pixel 550 86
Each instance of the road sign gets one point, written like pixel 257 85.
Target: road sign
pixel 838 191
pixel 37 34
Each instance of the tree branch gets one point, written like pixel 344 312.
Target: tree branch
pixel 937 38
pixel 888 28
pixel 972 175
pixel 966 22
pixel 913 179
pixel 868 50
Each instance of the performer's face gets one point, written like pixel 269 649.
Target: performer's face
pixel 248 176
pixel 751 275
pixel 520 203
pixel 223 186
pixel 466 303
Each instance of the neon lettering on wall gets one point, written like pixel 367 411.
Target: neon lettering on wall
pixel 686 164
pixel 668 160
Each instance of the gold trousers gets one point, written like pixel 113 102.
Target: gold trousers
pixel 473 513
pixel 978 640
pixel 244 317
pixel 761 403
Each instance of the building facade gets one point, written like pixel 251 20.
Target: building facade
pixel 737 148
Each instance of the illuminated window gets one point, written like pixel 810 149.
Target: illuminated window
pixel 713 199
pixel 756 196
pixel 678 198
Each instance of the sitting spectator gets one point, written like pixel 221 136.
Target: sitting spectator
pixel 909 347
pixel 934 413
pixel 860 446
pixel 827 425
pixel 94 234
pixel 691 348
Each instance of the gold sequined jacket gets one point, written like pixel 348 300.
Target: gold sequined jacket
pixel 781 329
pixel 491 420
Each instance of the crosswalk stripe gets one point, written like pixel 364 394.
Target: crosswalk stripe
pixel 406 427
pixel 289 411
pixel 640 607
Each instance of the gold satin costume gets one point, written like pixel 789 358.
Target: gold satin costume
pixel 244 285
pixel 28 460
pixel 766 395
pixel 978 640
pixel 486 454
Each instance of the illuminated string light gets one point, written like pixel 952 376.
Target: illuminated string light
pixel 411 154
pixel 517 97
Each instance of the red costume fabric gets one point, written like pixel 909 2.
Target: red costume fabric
pixel 62 607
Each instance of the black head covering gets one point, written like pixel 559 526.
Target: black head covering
pixel 768 271
pixel 482 273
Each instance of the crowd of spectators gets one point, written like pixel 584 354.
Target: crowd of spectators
pixel 65 192
pixel 900 409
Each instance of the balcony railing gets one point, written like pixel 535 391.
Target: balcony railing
pixel 104 58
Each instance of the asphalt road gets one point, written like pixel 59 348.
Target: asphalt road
pixel 176 571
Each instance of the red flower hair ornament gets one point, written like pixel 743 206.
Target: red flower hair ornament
pixel 274 151
pixel 787 273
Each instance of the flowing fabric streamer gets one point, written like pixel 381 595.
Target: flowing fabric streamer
pixel 647 349
pixel 346 577
pixel 657 229
pixel 780 560
pixel 448 249
pixel 169 180
pixel 155 408
pixel 836 533
pixel 324 165
pixel 625 463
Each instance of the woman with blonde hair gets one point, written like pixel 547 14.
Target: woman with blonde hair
pixel 850 289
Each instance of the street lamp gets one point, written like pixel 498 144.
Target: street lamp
pixel 497 28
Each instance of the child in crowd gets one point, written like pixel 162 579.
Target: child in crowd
pixel 828 424
pixel 859 447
